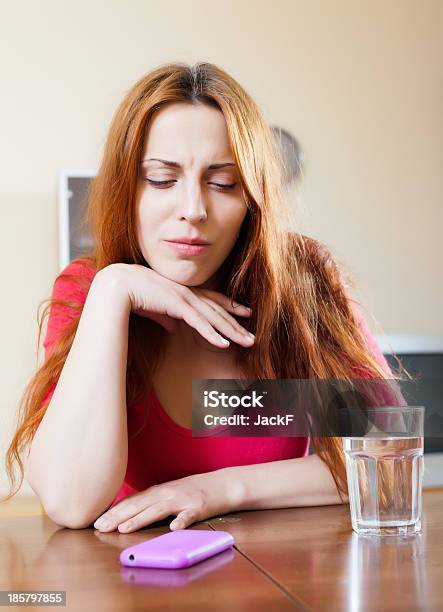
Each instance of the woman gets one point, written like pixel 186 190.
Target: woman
pixel 188 156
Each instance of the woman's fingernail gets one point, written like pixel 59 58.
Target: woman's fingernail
pixel 237 305
pixel 102 524
pixel 124 527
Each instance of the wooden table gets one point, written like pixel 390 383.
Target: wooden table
pixel 290 559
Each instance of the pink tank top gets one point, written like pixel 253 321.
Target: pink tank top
pixel 159 449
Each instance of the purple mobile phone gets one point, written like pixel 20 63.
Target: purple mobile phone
pixel 177 549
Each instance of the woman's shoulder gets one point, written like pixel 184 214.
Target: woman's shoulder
pixel 313 248
pixel 311 251
pixel 74 280
pixel 81 266
pixel 69 293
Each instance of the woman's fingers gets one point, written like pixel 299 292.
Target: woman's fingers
pixel 222 321
pixel 153 513
pixel 196 320
pixel 238 309
pixel 184 519
pixel 222 312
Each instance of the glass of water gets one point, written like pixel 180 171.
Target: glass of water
pixel 384 470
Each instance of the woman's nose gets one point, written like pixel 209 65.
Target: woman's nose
pixel 193 207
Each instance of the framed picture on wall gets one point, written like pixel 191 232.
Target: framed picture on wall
pixel 74 234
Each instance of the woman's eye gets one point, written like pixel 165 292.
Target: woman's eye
pixel 224 187
pixel 163 184
pixel 159 183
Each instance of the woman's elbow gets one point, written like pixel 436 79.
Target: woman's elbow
pixel 65 518
pixel 64 512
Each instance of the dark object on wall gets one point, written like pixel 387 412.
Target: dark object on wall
pixel 292 154
pixel 74 234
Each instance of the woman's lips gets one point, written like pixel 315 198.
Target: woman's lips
pixel 187 249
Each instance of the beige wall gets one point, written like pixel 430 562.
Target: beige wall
pixel 358 82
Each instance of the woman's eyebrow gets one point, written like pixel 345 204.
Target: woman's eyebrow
pixel 173 164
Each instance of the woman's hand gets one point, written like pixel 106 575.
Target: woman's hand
pixel 157 297
pixel 193 498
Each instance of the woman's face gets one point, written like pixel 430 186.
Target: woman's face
pixel 197 193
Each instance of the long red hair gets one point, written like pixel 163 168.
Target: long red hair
pixel 303 316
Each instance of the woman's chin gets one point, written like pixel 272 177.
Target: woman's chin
pixel 189 281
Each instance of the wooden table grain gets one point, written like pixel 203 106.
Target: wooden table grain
pixel 289 559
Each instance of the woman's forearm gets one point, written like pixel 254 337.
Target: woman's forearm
pixel 78 455
pixel 304 481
